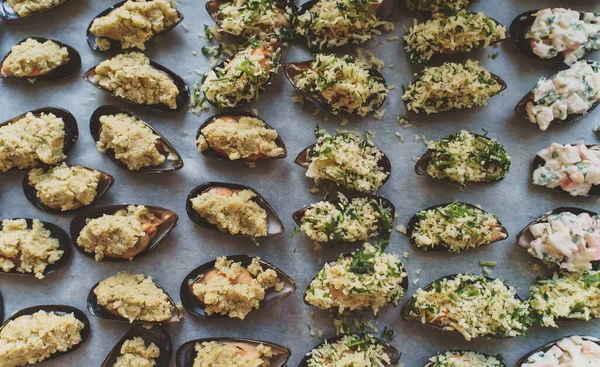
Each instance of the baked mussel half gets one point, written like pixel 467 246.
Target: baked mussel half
pixel 43 247
pixel 121 232
pixel 381 353
pixel 243 77
pixel 156 342
pixel 464 158
pixel 187 354
pixel 437 6
pixel 158 154
pixel 564 351
pixel 38 190
pixel 105 44
pixel 70 329
pixel 50 118
pixel 68 61
pixel 454 357
pixel 20 11
pixel 239 136
pixel 207 201
pixel 442 305
pixel 454 227
pixel 347 219
pixel 276 286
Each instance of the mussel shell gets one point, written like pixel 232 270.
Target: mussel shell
pixel 547 346
pixel 1 308
pixel 519 28
pixel 461 352
pixel 213 154
pixel 299 214
pixel 292 69
pixel 406 310
pixel 186 354
pixel 195 307
pixel 162 233
pixel 384 163
pixel 59 310
pixel 156 334
pixel 104 184
pixel 182 100
pixel 64 244
pixel 275 225
pixel 166 147
pixel 388 348
pixel 114 44
pixel 428 14
pixel 8 13
pixel 70 126
pixel 102 312
pixel 539 161
pixel 521 107
pixel 410 227
pixel 71 68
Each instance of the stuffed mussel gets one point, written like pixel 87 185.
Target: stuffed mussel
pixel 133 298
pixel 566 237
pixel 347 159
pixel 564 98
pixel 224 351
pixel 42 333
pixel 239 136
pixel 40 137
pixel 464 158
pixel 218 206
pixel 32 247
pixel 18 9
pixel 355 349
pixel 347 219
pixel 559 35
pixel 367 278
pixel 134 78
pixel 438 6
pixel 132 143
pixel 233 286
pixel 37 58
pixel 470 358
pixel 244 76
pixel 473 305
pixel 454 227
pixel 129 24
pixel 569 351
pixel 573 169
pixel 338 84
pixel 121 232
pixel 145 346
pixel 65 188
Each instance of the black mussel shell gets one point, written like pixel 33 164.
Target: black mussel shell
pixel 539 161
pixel 59 310
pixel 521 107
pixel 292 69
pixel 164 146
pixel 182 100
pixel 71 68
pixel 114 44
pixel 236 115
pixel 275 224
pixel 155 334
pixel 104 184
pixel 547 346
pixel 196 308
pixel 520 27
pixel 186 354
pixel 64 244
pixel 410 227
pixel 102 312
pixel 162 232
pixel 389 350
pixel 8 13
pixel 385 203
pixel 461 352
pixel 70 125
